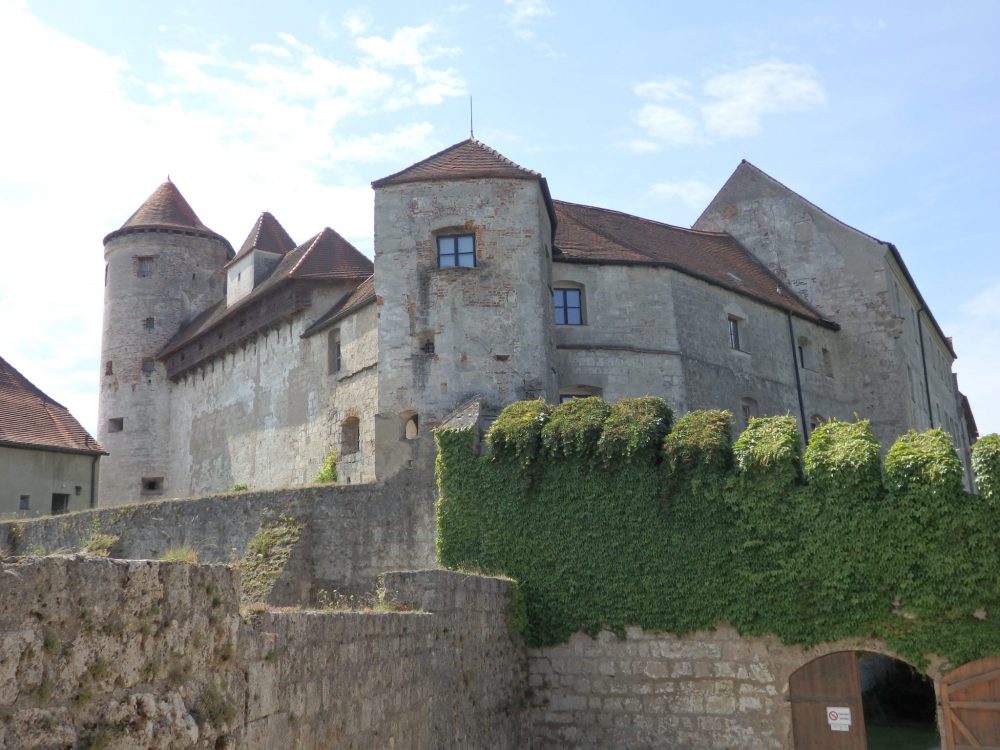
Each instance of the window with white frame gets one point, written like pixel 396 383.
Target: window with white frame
pixel 456 251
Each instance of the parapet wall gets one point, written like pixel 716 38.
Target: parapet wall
pixel 143 654
pixel 351 533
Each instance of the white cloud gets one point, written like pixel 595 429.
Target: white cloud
pixel 525 11
pixel 743 97
pixel 727 105
pixel 689 193
pixel 268 128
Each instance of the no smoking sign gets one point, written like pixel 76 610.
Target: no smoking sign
pixel 839 718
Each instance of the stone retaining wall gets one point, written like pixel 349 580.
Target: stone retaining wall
pixel 142 654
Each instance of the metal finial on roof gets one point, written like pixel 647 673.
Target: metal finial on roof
pixel 472 133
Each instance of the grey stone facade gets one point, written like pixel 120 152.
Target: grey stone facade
pixel 829 321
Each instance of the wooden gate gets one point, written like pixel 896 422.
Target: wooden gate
pixel 821 686
pixel 970 706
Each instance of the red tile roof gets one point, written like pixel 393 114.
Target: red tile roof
pixel 363 295
pixel 29 418
pixel 586 234
pixel 267 235
pixel 167 209
pixel 330 256
pixel 467 159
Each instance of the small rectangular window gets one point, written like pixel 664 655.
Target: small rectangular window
pixel 457 251
pixel 734 333
pixel 60 503
pixel 108 368
pixel 144 267
pixel 568 307
pixel 148 366
pixel 25 503
pixel 149 324
pixel 152 485
pixel 116 424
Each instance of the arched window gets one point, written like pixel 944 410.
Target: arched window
pixel 748 408
pixel 350 436
pixel 411 425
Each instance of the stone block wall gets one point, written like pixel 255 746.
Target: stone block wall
pixel 350 533
pixel 655 690
pixel 141 654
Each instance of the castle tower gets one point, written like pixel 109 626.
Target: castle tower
pixel 463 248
pixel 163 267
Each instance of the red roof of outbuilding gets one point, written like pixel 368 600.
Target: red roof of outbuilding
pixel 29 418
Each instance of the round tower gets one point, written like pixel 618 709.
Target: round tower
pixel 162 268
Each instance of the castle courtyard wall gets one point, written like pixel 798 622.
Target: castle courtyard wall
pixel 268 413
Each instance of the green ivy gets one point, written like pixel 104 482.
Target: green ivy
pixel 986 464
pixel 692 530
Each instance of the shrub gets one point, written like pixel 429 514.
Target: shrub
pixel 328 474
pixel 925 463
pixel 845 456
pixel 99 545
pixel 986 465
pixel 516 433
pixel 700 441
pixel 575 426
pixel 770 447
pixel 635 428
pixel 185 553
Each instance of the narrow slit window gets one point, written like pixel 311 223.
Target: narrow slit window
pixel 734 333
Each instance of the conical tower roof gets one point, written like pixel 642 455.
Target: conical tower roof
pixel 267 235
pixel 165 209
pixel 468 158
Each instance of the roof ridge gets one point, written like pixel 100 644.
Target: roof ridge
pixel 644 219
pixel 312 241
pixel 500 156
pixel 417 171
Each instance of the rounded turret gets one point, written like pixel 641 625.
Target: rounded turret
pixel 163 268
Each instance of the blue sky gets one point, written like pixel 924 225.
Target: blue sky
pixel 884 114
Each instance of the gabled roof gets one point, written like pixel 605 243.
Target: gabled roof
pixel 587 234
pixel 30 419
pixel 167 209
pixel 746 173
pixel 268 236
pixel 363 295
pixel 326 257
pixel 466 159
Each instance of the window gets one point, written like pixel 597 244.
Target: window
pixel 148 366
pixel 748 409
pixel 568 306
pixel 827 362
pixel 577 391
pixel 60 503
pixel 144 267
pixel 457 251
pixel 25 503
pixel 334 360
pixel 108 368
pixel 116 424
pixel 734 333
pixel 152 485
pixel 149 324
pixel 411 426
pixel 350 436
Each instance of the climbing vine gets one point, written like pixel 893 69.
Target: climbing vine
pixel 610 516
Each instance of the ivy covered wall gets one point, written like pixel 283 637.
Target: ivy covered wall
pixel 613 515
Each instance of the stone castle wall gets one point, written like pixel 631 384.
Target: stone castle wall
pixel 142 655
pixel 350 533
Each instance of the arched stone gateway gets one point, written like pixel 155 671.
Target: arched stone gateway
pixel 850 700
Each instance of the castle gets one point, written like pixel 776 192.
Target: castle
pixel 223 367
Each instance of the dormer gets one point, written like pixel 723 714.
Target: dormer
pixel 260 254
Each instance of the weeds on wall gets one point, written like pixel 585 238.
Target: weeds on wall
pixel 678 528
pixel 266 555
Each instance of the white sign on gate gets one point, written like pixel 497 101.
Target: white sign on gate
pixel 839 718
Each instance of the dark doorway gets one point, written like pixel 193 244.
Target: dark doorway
pixel 899 703
pixel 60 503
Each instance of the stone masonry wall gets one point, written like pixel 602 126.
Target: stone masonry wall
pixel 144 655
pixel 350 533
pixel 656 690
